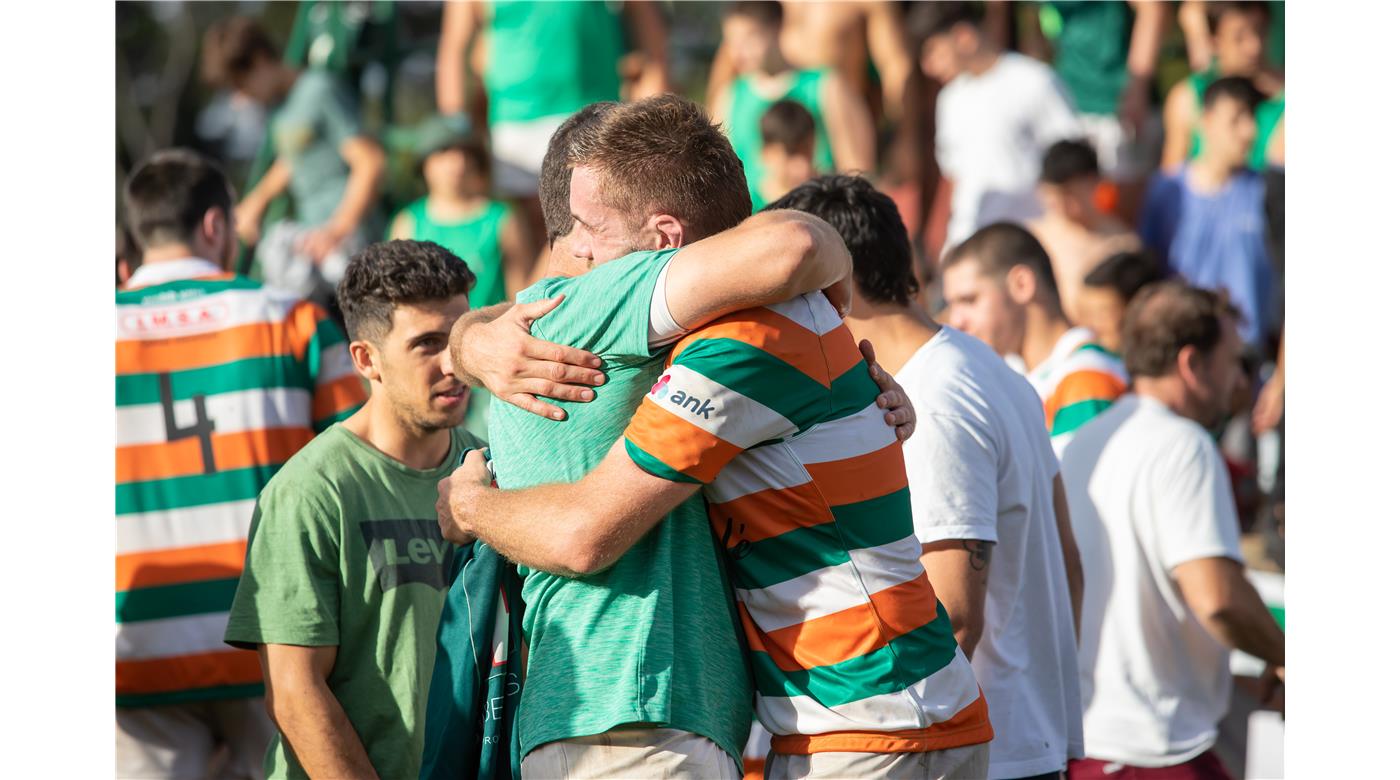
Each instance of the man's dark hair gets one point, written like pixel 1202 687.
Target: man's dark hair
pixel 869 223
pixel 1215 11
pixel 555 170
pixel 392 273
pixel 1001 246
pixel 168 195
pixel 1236 88
pixel 925 20
pixel 1068 160
pixel 664 155
pixel 1125 273
pixel 1167 316
pixel 231 48
pixel 789 124
pixel 768 13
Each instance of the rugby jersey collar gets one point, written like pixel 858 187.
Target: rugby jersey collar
pixel 172 270
pixel 1069 342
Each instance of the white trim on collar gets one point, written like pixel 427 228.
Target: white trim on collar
pixel 172 270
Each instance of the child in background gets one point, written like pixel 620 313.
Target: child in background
pixel 789 146
pixel 1108 289
pixel 1074 231
pixel 458 214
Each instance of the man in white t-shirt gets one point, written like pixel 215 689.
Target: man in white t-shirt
pixel 997 113
pixel 1155 519
pixel 982 478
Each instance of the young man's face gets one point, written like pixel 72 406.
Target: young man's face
pixel 451 171
pixel 1101 310
pixel 601 233
pixel 1073 200
pixel 1219 375
pixel 260 83
pixel 415 371
pixel 1229 128
pixel 945 56
pixel 1239 42
pixel 981 306
pixel 789 170
pixel 748 42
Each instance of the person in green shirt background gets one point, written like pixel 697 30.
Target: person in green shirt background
pixel 346 570
pixel 459 214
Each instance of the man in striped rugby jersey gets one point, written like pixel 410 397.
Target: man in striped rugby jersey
pixel 1000 287
pixel 775 413
pixel 219 382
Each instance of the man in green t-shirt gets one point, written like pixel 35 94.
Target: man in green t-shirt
pixel 346 568
pixel 634 670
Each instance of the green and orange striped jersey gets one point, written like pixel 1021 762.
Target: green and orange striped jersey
pixel 1078 380
pixel 219 382
pixel 773 410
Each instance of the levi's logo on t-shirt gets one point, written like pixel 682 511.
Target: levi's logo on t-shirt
pixel 404 551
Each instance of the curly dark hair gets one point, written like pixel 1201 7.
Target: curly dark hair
pixel 390 273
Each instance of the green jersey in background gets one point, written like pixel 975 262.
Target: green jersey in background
pixel 345 550
pixel 746 109
pixel 653 638
pixel 551 58
pixel 1091 51
pixel 308 129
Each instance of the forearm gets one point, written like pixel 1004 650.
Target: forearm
pixel 460 341
pixel 649 34
pixel 274 182
pixel 360 188
pixel 542 527
pixel 1247 625
pixel 1149 23
pixel 957 569
pixel 317 729
pixel 453 75
pixel 1069 549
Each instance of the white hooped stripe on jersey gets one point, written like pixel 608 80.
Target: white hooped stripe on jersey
pixel 812 311
pixel 168 637
pixel 849 437
pixel 245 410
pixel 336 363
pixel 751 471
pixel 710 406
pixel 200 313
pixel 189 527
pixel 834 588
pixel 934 699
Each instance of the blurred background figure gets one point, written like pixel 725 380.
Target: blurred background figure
pixel 1239 42
pixel 1108 289
pixel 1000 288
pixel 219 382
pixel 1206 218
pixel 997 113
pixel 1151 502
pixel 330 166
pixel 845 134
pixel 526 66
pixel 789 144
pixel 1075 232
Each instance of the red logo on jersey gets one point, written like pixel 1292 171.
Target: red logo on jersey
pixel 660 387
pixel 190 317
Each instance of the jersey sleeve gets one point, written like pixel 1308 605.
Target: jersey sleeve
pixel 606 311
pixel 714 401
pixel 340 119
pixel 336 389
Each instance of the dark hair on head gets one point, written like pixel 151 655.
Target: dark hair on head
pixel 1001 246
pixel 1236 88
pixel 925 20
pixel 168 195
pixel 789 124
pixel 869 223
pixel 1165 317
pixel 392 273
pixel 231 47
pixel 555 170
pixel 1125 273
pixel 768 13
pixel 474 147
pixel 1068 160
pixel 663 155
pixel 1216 10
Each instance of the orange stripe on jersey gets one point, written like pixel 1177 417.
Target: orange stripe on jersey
pixel 852 632
pixel 771 332
pixel 258 339
pixel 183 672
pixel 338 395
pixel 971 726
pixel 861 478
pixel 301 324
pixel 162 460
pixel 774 511
pixel 1082 386
pixel 695 452
pixel 183 564
pixel 841 351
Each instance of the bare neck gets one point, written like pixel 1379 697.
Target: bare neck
pixel 384 429
pixel 1044 328
pixel 167 253
pixel 1169 391
pixel 896 332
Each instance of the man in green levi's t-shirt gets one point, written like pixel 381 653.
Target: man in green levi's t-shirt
pixel 346 568
pixel 645 652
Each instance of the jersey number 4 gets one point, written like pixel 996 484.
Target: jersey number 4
pixel 203 428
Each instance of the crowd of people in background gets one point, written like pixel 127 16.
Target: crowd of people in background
pixel 964 334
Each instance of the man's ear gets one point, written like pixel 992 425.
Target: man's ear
pixel 1190 361
pixel 366 359
pixel 214 227
pixel 668 232
pixel 1021 284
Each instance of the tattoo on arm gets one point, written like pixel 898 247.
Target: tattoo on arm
pixel 979 553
